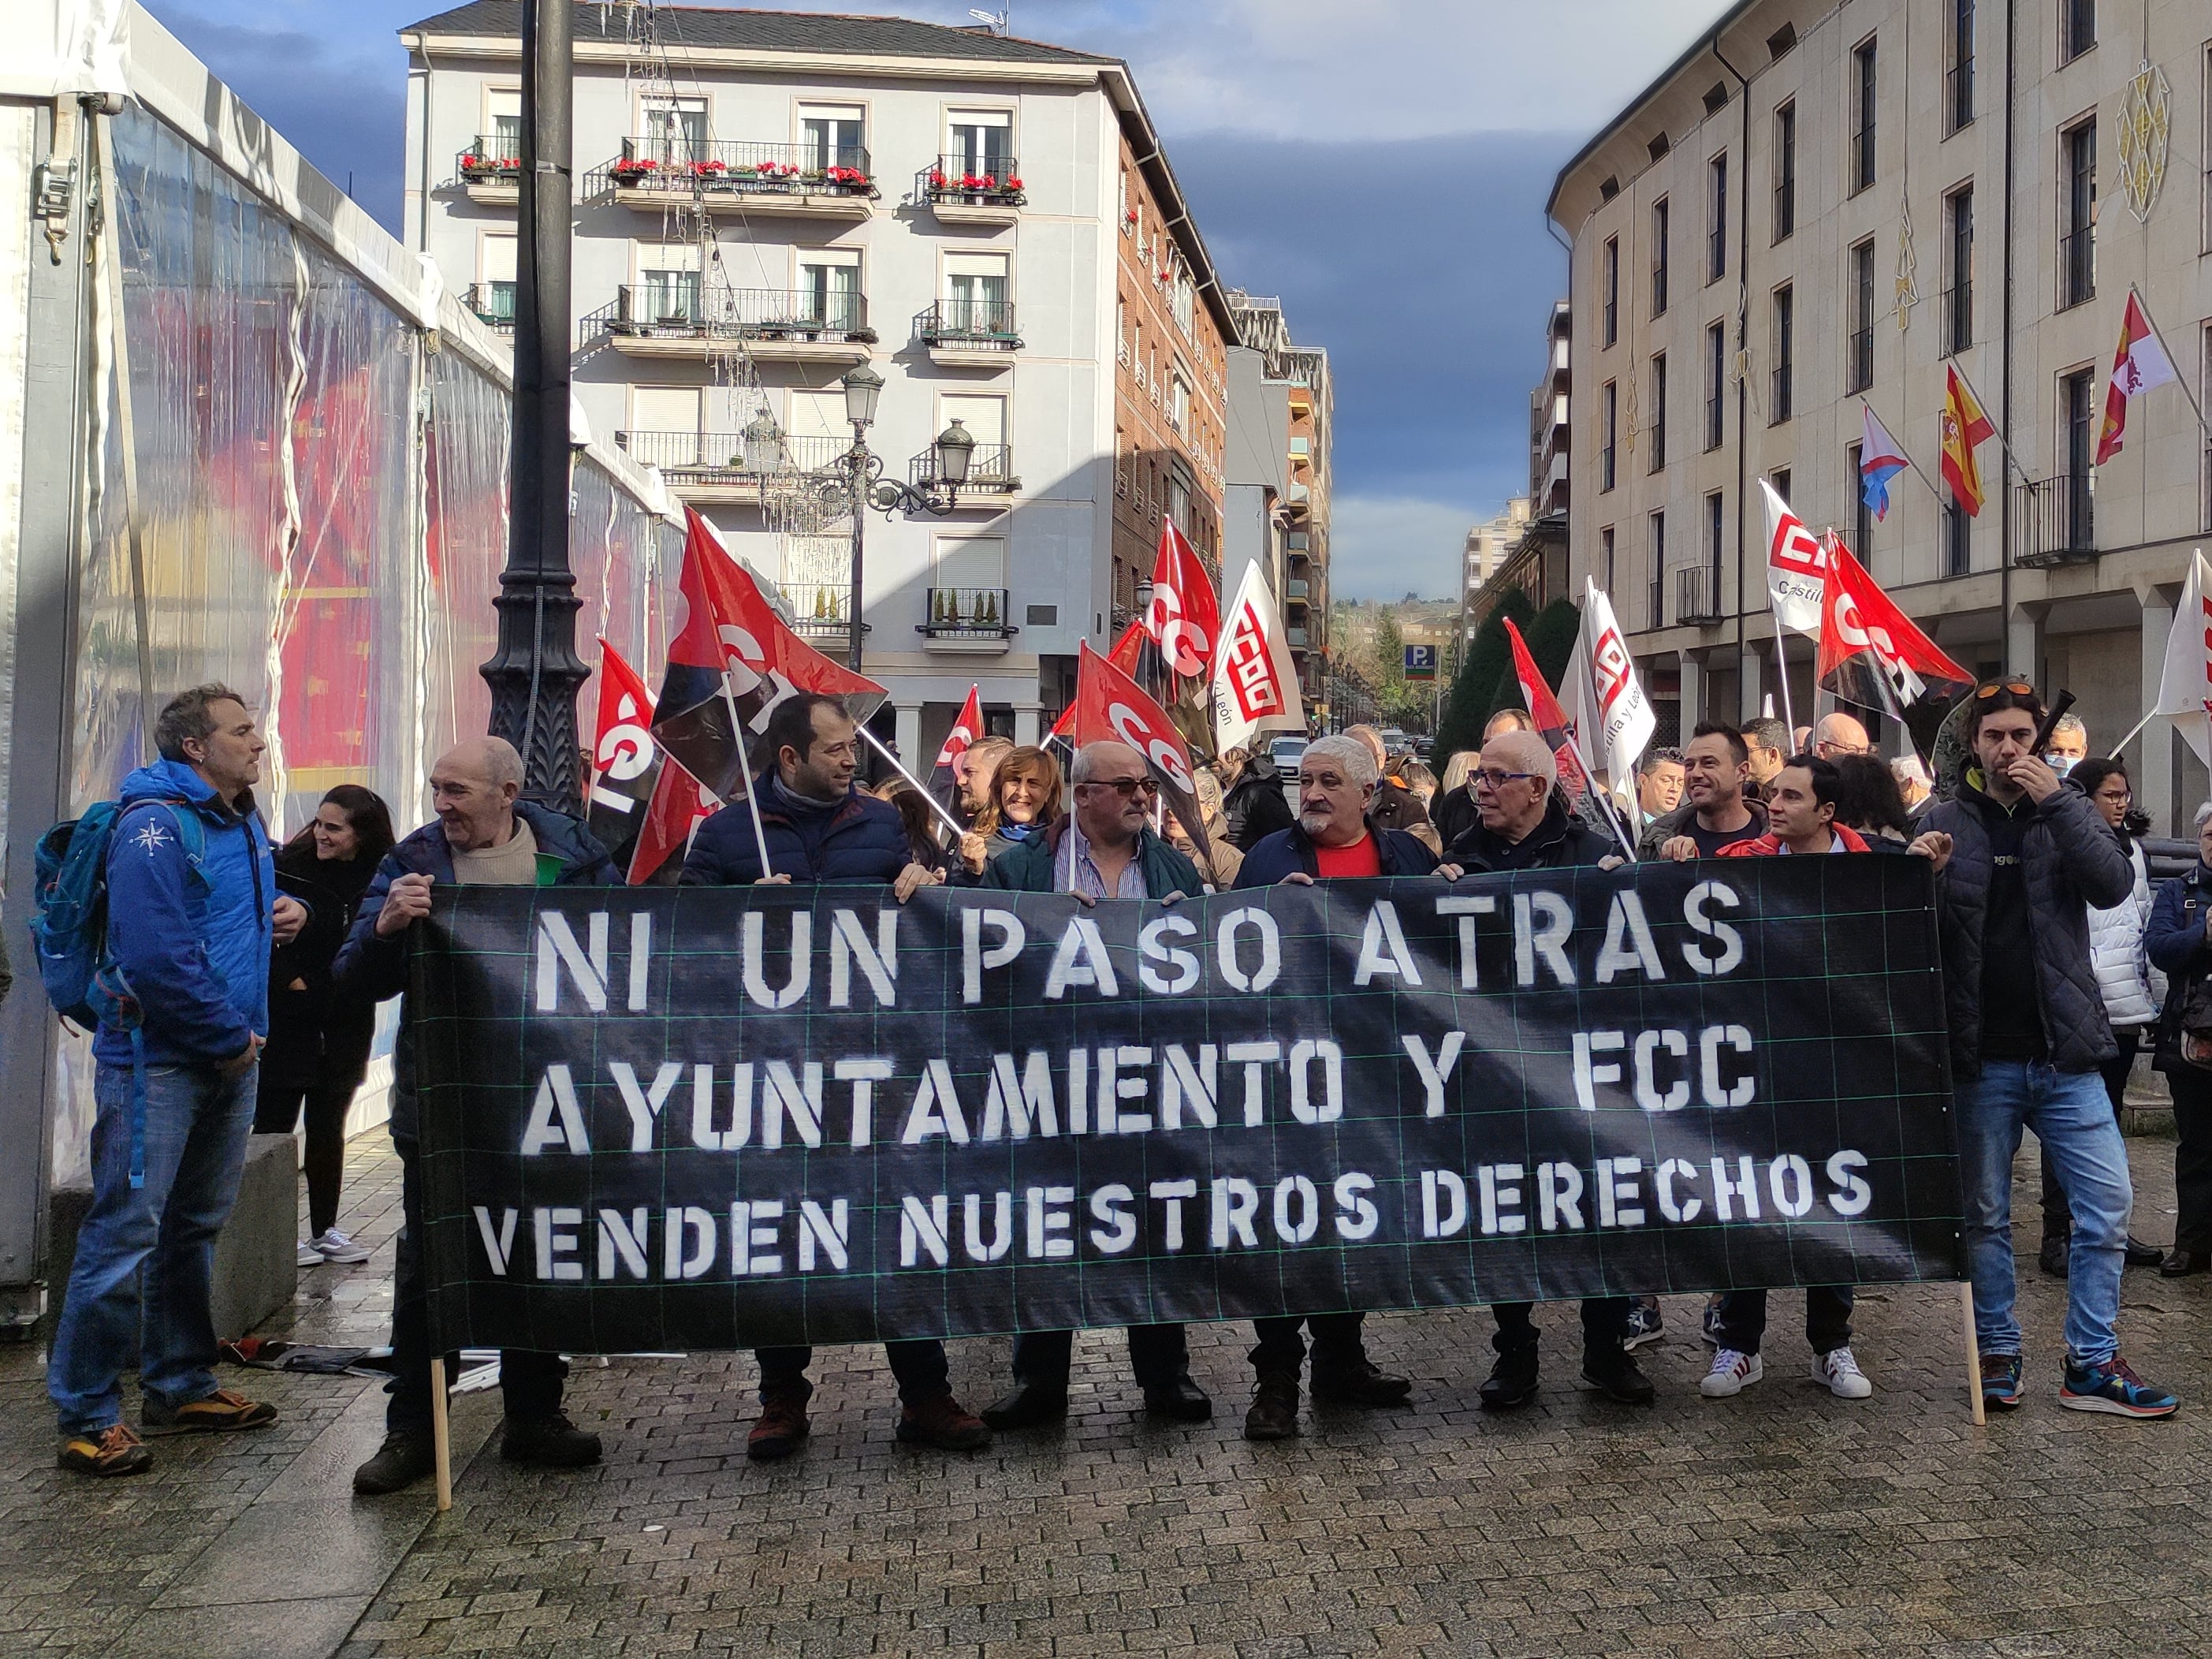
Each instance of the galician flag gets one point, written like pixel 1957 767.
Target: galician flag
pixel 1964 426
pixel 1880 458
pixel 2140 364
pixel 1796 565
pixel 2184 690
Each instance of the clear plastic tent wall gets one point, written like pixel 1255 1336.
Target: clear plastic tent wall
pixel 320 503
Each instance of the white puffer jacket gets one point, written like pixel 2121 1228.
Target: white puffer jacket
pixel 2133 990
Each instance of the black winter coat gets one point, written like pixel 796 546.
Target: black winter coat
pixel 1289 851
pixel 860 840
pixel 1255 806
pixel 1559 839
pixel 317 1038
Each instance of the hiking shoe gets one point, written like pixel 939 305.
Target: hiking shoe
pixel 335 1246
pixel 1709 1328
pixel 112 1450
pixel 549 1440
pixel 1646 1324
pixel 222 1410
pixel 2001 1381
pixel 2112 1387
pixel 1274 1413
pixel 399 1462
pixel 1838 1371
pixel 945 1423
pixel 1732 1373
pixel 1511 1383
pixel 1617 1377
pixel 781 1426
pixel 308 1255
pixel 1359 1381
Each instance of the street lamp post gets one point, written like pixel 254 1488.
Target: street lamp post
pixel 534 673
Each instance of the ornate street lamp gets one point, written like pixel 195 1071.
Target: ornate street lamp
pixel 866 486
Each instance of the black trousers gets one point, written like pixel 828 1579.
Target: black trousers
pixel 1158 1356
pixel 276 1111
pixel 918 1365
pixel 2057 1218
pixel 1605 1321
pixel 2193 1158
pixel 530 1382
pixel 1336 1342
pixel 1827 1318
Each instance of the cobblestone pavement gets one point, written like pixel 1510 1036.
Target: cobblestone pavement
pixel 1783 1522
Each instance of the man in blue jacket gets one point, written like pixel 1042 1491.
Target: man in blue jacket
pixel 192 940
pixel 484 835
pixel 820 829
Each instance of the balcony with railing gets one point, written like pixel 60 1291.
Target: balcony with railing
pixel 711 467
pixel 1697 596
pixel 821 612
pixel 2054 521
pixel 493 305
pixel 963 333
pixel 960 191
pixel 973 620
pixel 815 325
pixel 811 180
pixel 491 168
pixel 991 481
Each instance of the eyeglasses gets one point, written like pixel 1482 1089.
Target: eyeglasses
pixel 1496 780
pixel 2018 688
pixel 1126 788
pixel 1830 746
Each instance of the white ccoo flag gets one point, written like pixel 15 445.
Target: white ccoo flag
pixel 1256 682
pixel 1605 704
pixel 1796 566
pixel 2184 690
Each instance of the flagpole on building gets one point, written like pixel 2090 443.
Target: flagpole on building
pixel 1996 431
pixel 2180 379
pixel 1901 450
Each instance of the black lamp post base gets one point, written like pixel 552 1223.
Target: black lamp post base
pixel 534 706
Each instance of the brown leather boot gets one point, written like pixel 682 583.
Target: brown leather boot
pixel 945 1423
pixel 782 1424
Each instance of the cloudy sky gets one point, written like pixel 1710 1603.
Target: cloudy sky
pixel 1380 164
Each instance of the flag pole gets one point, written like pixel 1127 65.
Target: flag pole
pixel 2134 733
pixel 1901 450
pixel 2180 379
pixel 1996 431
pixel 1781 669
pixel 745 773
pixel 936 805
pixel 1599 801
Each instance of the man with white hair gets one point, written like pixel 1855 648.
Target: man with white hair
pixel 484 835
pixel 2068 745
pixel 1911 774
pixel 1525 825
pixel 1334 839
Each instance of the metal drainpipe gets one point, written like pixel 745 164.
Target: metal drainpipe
pixel 2004 504
pixel 1743 312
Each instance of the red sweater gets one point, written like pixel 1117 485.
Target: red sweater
pixel 1768 845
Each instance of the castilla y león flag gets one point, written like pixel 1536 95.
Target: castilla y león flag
pixel 1871 654
pixel 1551 719
pixel 1111 707
pixel 2140 364
pixel 1256 682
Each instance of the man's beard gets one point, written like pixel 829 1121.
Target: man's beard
pixel 1314 823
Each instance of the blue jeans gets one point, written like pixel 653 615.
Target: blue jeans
pixel 196 1125
pixel 2072 1116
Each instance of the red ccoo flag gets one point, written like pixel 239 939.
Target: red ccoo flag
pixel 1111 707
pixel 1871 654
pixel 1551 719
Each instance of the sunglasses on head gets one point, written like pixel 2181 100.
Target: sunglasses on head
pixel 2018 688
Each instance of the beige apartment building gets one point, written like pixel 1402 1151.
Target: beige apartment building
pixel 1821 205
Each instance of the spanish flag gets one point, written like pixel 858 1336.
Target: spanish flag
pixel 1964 427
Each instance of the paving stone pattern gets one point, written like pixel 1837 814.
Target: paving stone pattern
pixel 1783 1522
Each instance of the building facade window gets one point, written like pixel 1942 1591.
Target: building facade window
pixel 1863 89
pixel 834 137
pixel 1715 535
pixel 1957 538
pixel 1658 435
pixel 1716 381
pixel 1609 432
pixel 1958 78
pixel 2076 424
pixel 2077 213
pixel 1659 237
pixel 1780 400
pixel 1861 514
pixel 1609 318
pixel 1716 218
pixel 1959 256
pixel 1780 479
pixel 1657 608
pixel 2077 28
pixel 1605 553
pixel 1785 171
pixel 1858 356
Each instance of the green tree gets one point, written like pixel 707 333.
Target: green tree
pixel 1551 638
pixel 1487 683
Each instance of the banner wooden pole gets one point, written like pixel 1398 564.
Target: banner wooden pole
pixel 1975 1408
pixel 441 1433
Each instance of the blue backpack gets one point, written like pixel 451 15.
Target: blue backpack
pixel 69 933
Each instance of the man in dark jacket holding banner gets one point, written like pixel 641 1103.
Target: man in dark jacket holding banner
pixel 820 830
pixel 1105 849
pixel 484 837
pixel 1525 825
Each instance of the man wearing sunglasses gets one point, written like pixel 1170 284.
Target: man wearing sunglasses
pixel 1105 849
pixel 2021 861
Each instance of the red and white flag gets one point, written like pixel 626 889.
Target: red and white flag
pixel 1184 619
pixel 2140 364
pixel 676 810
pixel 1605 704
pixel 1794 566
pixel 1551 720
pixel 1871 653
pixel 1126 652
pixel 1255 681
pixel 2184 688
pixel 1110 706
pixel 950 767
pixel 624 753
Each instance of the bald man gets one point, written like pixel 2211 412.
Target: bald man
pixel 485 835
pixel 1840 734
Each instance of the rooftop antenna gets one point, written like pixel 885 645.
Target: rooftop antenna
pixel 997 22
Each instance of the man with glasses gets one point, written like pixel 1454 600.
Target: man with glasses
pixel 1105 849
pixel 1715 773
pixel 1840 734
pixel 1333 840
pixel 1525 825
pixel 2021 859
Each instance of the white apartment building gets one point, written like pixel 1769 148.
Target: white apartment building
pixel 1821 203
pixel 1490 544
pixel 765 200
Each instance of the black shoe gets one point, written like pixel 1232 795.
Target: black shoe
pixel 1027 1404
pixel 1616 1377
pixel 2182 1263
pixel 2140 1254
pixel 399 1462
pixel 1182 1400
pixel 1511 1383
pixel 1274 1413
pixel 551 1441
pixel 2051 1258
pixel 1359 1381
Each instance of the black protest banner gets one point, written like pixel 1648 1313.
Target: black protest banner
pixel 716 1118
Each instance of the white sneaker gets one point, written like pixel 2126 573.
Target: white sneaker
pixel 309 1256
pixel 335 1246
pixel 1732 1373
pixel 1839 1373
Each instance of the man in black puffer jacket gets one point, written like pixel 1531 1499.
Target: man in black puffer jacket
pixel 2019 859
pixel 1256 804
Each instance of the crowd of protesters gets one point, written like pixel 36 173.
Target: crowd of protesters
pixel 258 973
